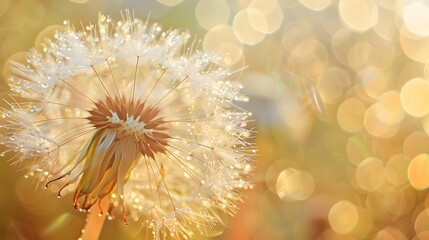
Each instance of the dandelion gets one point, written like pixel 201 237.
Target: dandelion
pixel 125 115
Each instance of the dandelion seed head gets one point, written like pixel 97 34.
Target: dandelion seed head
pixel 126 111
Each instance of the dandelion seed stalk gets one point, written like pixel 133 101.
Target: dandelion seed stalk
pixel 95 220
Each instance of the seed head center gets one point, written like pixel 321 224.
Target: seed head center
pixel 130 126
pixel 132 119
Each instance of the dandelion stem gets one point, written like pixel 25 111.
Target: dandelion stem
pixel 95 220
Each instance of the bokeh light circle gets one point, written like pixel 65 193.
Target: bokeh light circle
pixel 221 40
pixel 418 172
pixel 265 23
pixel 416 18
pixel 415 143
pixel 375 126
pixel 390 233
pixel 211 13
pixel 358 15
pixel 316 5
pixel 373 81
pixel 343 217
pixel 389 109
pixel 350 115
pixel 415 97
pixel 244 30
pixel 294 185
pixel 370 174
pixel 422 221
pixel 415 48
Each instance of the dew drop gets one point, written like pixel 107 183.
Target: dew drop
pixel 241 98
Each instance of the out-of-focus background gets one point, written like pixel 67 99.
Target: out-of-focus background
pixel 339 90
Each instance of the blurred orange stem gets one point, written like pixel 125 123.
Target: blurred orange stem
pixel 95 221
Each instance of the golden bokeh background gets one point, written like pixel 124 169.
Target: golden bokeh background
pixel 339 91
